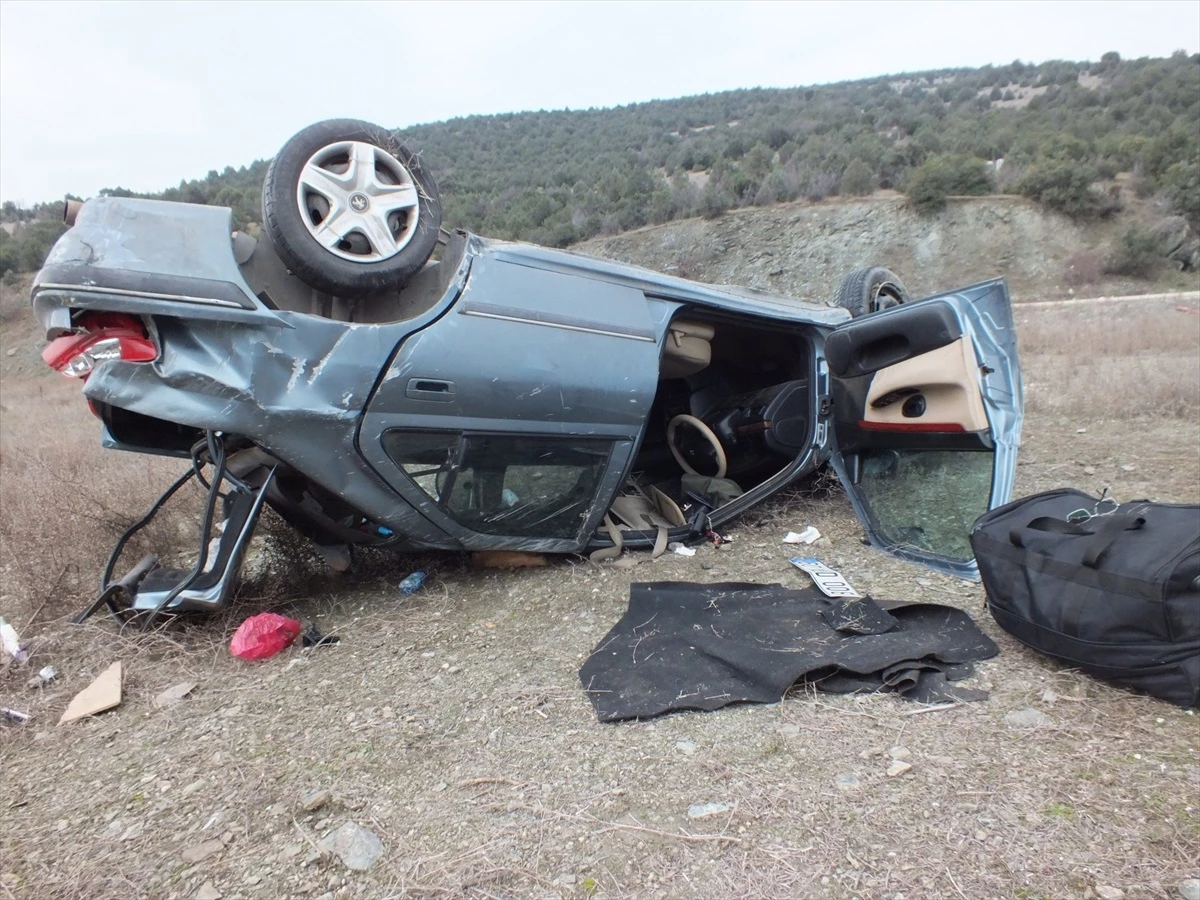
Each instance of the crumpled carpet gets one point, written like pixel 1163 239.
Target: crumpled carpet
pixel 704 646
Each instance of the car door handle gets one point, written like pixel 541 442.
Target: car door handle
pixel 430 389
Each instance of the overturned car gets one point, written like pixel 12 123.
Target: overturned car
pixel 380 381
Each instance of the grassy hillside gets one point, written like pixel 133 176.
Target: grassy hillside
pixel 1058 132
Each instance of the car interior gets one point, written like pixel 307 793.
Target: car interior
pixel 734 406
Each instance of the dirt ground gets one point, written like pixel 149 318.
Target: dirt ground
pixel 452 725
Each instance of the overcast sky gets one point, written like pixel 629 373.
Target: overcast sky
pixel 142 95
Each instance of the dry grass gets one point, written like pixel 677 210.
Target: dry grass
pixel 453 726
pixel 65 501
pixel 1083 267
pixel 1112 362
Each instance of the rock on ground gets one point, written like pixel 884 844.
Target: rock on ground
pixel 1026 718
pixel 356 847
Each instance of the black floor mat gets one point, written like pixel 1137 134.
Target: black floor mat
pixel 704 646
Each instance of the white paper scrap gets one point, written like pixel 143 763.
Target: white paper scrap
pixel 807 536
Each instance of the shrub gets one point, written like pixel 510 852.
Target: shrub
pixel 714 201
pixel 858 178
pixel 774 189
pixel 1136 253
pixel 1066 187
pixel 743 185
pixel 26 248
pixel 940 177
pixel 821 185
pixel 1181 187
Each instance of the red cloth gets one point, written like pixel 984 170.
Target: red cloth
pixel 263 636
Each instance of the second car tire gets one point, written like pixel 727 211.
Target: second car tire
pixel 869 290
pixel 350 210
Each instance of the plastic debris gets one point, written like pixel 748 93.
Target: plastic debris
pixel 11 715
pixel 314 638
pixel 101 695
pixel 12 643
pixel 807 536
pixel 264 635
pixel 412 583
pixel 43 677
pixel 703 810
pixel 680 549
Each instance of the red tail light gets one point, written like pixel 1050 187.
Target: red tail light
pixel 104 336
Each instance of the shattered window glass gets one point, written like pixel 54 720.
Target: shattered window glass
pixel 425 457
pixel 526 486
pixel 927 499
pixel 509 485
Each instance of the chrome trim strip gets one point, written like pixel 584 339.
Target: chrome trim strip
pixel 146 295
pixel 564 323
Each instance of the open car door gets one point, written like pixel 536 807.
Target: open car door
pixel 927 409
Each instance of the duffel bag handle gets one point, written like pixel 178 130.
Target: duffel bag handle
pixel 1102 536
pixel 1107 533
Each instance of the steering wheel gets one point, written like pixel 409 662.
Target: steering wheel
pixel 705 432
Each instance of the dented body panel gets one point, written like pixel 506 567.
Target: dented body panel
pixel 496 345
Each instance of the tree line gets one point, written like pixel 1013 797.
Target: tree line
pixel 1055 132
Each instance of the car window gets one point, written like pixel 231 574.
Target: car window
pixel 425 457
pixel 508 485
pixel 526 486
pixel 927 499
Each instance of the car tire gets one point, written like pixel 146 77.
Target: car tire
pixel 350 210
pixel 869 290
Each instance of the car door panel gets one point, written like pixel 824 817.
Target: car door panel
pixel 524 345
pixel 874 342
pixel 524 352
pixel 942 378
pixel 526 492
pixel 927 413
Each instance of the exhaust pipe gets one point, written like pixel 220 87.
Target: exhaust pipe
pixel 70 210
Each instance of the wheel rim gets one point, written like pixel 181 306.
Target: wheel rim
pixel 886 296
pixel 358 201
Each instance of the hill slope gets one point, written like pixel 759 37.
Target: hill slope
pixel 1048 131
pixel 805 249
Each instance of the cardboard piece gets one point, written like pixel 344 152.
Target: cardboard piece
pixel 506 559
pixel 102 694
pixel 174 694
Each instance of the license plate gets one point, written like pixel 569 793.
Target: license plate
pixel 831 583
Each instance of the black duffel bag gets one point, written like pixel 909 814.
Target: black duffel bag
pixel 1112 590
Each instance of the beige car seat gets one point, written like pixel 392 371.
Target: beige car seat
pixel 687 349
